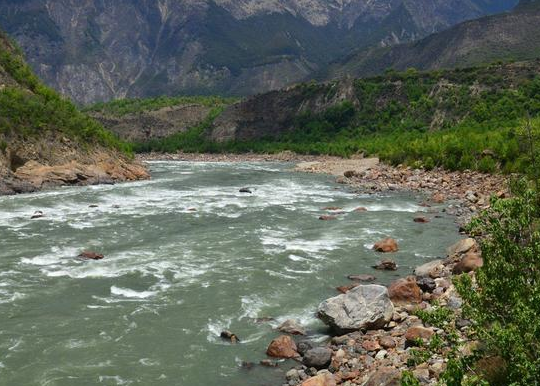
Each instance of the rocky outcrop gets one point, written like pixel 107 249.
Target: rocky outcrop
pixel 362 308
pixel 153 124
pixel 386 246
pixel 30 164
pixel 282 347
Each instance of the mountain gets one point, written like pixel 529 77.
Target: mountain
pixel 45 141
pixel 97 50
pixel 508 36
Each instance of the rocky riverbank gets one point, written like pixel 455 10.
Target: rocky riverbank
pixel 382 333
pixel 33 164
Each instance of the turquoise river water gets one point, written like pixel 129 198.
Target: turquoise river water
pixel 150 313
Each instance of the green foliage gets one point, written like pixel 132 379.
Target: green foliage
pixel 123 107
pixel 505 300
pixel 418 356
pixel 438 317
pixel 408 379
pixel 31 108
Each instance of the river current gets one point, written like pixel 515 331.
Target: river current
pixel 186 256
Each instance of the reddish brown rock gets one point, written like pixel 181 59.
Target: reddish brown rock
pixel 324 379
pixel 422 220
pixel 361 209
pixel 371 345
pixel 332 208
pixel 387 245
pixel 405 291
pixel 386 265
pixel 418 332
pixel 282 347
pixel 91 255
pixel 346 288
pixel 469 263
pixel 438 198
pixel 387 342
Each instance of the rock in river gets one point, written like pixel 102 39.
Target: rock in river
pixel 246 190
pixel 292 327
pixel 386 265
pixel 362 308
pixel 282 347
pixel 387 245
pixel 229 336
pixel 91 255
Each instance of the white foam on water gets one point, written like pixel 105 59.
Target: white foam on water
pixel 251 306
pixel 294 257
pixel 393 207
pixel 129 293
pixel 214 329
pixel 118 380
pixel 148 362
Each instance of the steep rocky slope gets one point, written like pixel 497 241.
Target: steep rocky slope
pixel 45 141
pixel 100 50
pixel 404 101
pixel 508 36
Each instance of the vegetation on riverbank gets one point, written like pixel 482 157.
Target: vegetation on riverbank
pixel 29 108
pixel 462 119
pixel 123 107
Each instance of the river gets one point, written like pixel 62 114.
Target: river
pixel 186 256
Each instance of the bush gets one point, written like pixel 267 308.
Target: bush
pixel 504 302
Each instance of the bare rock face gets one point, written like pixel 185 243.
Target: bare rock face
pixel 362 308
pixel 469 263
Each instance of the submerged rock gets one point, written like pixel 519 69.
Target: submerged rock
pixel 37 214
pixel 229 336
pixel 326 217
pixel 91 255
pixel 387 245
pixel 386 265
pixel 246 190
pixel 362 277
pixel 422 220
pixel 362 308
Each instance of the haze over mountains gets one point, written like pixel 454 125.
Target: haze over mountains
pixel 97 50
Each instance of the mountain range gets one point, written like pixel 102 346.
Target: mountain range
pixel 98 50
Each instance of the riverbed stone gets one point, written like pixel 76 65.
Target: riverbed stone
pixel 405 291
pixel 431 269
pixel 385 376
pixel 462 247
pixel 386 265
pixel 387 245
pixel 318 357
pixel 324 379
pixel 362 277
pixel 292 327
pixel 282 347
pixel 89 255
pixel 418 332
pixel 362 308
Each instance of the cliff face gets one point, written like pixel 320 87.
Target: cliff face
pixel 45 141
pixel 99 50
pixel 508 36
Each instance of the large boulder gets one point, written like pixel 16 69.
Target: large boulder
pixel 432 269
pixel 282 347
pixel 387 245
pixel 405 291
pixel 461 247
pixel 362 308
pixel 292 327
pixel 318 357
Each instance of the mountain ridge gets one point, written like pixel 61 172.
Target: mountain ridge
pixel 102 50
